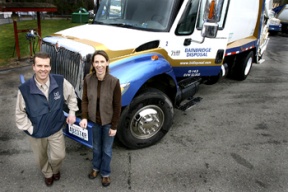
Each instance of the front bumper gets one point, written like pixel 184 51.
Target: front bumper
pixel 276 28
pixel 79 135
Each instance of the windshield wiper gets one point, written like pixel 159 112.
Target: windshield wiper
pixel 122 25
pixel 99 22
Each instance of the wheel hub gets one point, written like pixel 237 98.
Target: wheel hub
pixel 147 122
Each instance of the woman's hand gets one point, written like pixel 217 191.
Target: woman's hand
pixel 112 132
pixel 83 123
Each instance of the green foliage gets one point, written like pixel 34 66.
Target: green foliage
pixel 7 41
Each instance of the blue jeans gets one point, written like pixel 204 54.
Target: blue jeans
pixel 102 149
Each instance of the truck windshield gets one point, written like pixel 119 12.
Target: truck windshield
pixel 139 14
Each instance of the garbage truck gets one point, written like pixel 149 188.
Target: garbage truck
pixel 274 24
pixel 282 14
pixel 161 51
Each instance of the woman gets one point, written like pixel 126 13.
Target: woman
pixel 101 104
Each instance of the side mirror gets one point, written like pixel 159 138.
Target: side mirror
pixel 212 15
pixel 209 30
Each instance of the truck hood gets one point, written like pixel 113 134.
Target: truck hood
pixel 119 38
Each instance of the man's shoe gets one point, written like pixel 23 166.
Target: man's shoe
pixel 56 176
pixel 49 181
pixel 106 181
pixel 93 174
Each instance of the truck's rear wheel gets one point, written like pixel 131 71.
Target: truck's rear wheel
pixel 146 120
pixel 243 65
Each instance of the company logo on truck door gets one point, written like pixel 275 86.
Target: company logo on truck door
pixel 175 53
pixel 197 52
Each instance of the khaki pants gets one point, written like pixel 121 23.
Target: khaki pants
pixel 49 152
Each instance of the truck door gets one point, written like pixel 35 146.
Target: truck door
pixel 199 41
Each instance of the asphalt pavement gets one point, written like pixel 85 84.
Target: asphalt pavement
pixel 9 19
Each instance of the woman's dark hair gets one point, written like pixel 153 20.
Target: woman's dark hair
pixel 104 54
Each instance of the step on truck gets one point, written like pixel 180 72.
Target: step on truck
pixel 161 51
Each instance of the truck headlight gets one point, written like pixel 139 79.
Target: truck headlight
pixel 124 87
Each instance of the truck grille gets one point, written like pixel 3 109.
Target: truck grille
pixel 63 62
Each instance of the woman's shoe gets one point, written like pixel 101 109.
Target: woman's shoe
pixel 93 174
pixel 106 181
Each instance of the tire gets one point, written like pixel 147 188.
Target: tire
pixel 146 120
pixel 273 33
pixel 243 65
pixel 284 28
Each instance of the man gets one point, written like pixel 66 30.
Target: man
pixel 39 113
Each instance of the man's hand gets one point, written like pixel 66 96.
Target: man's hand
pixel 83 123
pixel 71 119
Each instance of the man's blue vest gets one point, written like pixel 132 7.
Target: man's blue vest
pixel 46 115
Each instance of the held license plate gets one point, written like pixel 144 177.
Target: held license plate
pixel 78 131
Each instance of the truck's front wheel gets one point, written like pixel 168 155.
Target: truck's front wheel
pixel 146 120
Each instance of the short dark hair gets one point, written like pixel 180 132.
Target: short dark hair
pixel 42 55
pixel 104 54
